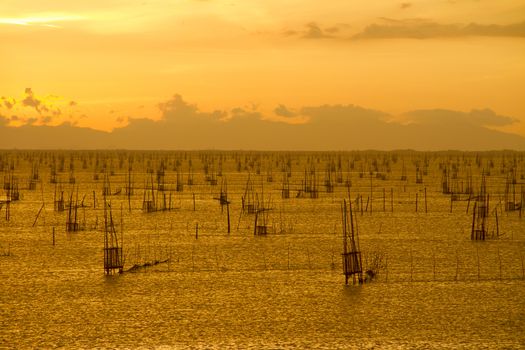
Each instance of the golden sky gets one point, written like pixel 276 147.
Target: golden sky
pixel 97 63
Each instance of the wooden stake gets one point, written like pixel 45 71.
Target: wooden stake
pixel 228 212
pixel 255 225
pixel 497 226
pixel 38 214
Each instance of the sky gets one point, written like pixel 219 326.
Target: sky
pixel 104 64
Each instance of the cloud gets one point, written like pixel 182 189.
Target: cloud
pixel 283 111
pixel 239 112
pixel 313 31
pixel 31 101
pixel 9 103
pixel 425 29
pixel 476 117
pixel 412 28
pixel 122 120
pixel 177 110
pixel 405 5
pixel 34 109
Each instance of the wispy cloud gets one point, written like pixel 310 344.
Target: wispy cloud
pixel 412 28
pixel 312 30
pixel 42 20
pixel 426 29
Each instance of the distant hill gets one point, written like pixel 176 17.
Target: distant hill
pixel 329 127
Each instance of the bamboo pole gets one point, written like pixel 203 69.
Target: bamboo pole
pixel 38 214
pixel 228 213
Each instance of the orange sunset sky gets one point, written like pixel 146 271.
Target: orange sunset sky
pixel 99 63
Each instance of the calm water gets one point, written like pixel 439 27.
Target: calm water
pixel 437 288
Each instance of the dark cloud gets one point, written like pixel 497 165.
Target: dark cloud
pixel 414 28
pixel 333 30
pixel 9 103
pixel 178 110
pixel 313 31
pixel 283 111
pixel 243 113
pixel 31 101
pixel 425 29
pixel 46 111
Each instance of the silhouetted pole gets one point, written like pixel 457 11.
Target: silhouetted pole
pixel 228 213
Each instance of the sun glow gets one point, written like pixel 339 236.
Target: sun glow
pixel 41 20
pixel 115 56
